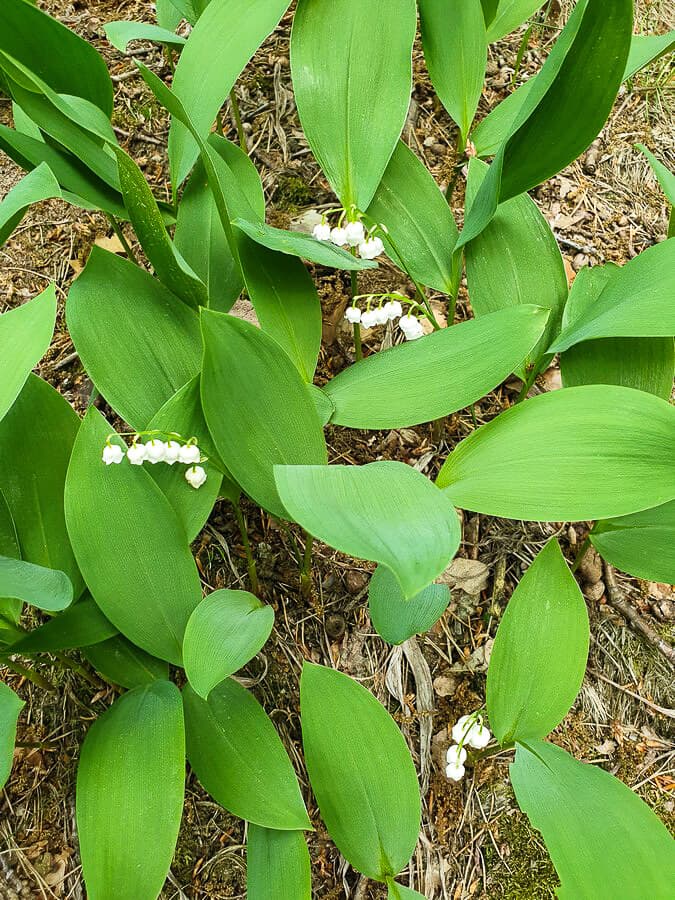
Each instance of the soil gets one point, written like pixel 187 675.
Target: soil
pixel 475 842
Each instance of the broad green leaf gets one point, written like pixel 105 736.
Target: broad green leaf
pixel 529 694
pixel 224 632
pixel 492 131
pixel 646 364
pixel 130 545
pixel 642 544
pixel 509 15
pixel 65 61
pixel 636 302
pixel 371 511
pixel 285 300
pixel 10 608
pixel 170 12
pixel 455 49
pixel 400 892
pixel 36 440
pixel 361 772
pixel 10 707
pixel 37 185
pixel 138 342
pixel 166 260
pixel 257 407
pixel 445 371
pixel 603 839
pixel 577 454
pixel 120 34
pixel 295 243
pixel 237 755
pixel 666 179
pixel 182 414
pixel 421 229
pixel 645 48
pixel 79 184
pixel 550 130
pixel 129 795
pixel 45 588
pixel 396 619
pixel 123 663
pixel 515 260
pixel 25 335
pixel 277 865
pixel 222 42
pixel 352 75
pixel 81 625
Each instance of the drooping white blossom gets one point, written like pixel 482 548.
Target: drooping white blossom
pixel 455 771
pixel 338 237
pixel 371 248
pixel 353 314
pixel 393 309
pixel 456 755
pixel 172 452
pixel 112 454
pixel 355 233
pixel 189 454
pixel 155 451
pixel 382 317
pixel 369 318
pixel 195 476
pixel 411 327
pixel 470 731
pixel 137 454
pixel 322 231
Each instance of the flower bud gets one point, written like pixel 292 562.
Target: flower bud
pixel 112 453
pixel 195 476
pixel 322 231
pixel 189 454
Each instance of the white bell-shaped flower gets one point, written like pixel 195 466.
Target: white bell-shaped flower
pixel 195 476
pixel 371 248
pixel 338 237
pixel 355 233
pixel 455 771
pixel 112 454
pixel 411 327
pixel 456 755
pixel 369 318
pixel 353 314
pixel 189 454
pixel 393 309
pixel 137 454
pixel 322 231
pixel 381 316
pixel 470 731
pixel 171 452
pixel 155 451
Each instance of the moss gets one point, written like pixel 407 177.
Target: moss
pixel 292 192
pixel 530 874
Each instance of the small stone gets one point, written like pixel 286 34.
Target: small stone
pixel 355 581
pixel 445 686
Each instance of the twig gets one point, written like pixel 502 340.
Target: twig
pixel 659 709
pixel 616 601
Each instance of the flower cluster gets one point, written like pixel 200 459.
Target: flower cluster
pixel 468 731
pixel 383 312
pixel 350 234
pixel 158 451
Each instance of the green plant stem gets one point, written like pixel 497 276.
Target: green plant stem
pixel 421 296
pixel 529 381
pixel 460 148
pixel 169 59
pixel 582 552
pixel 236 112
pixel 69 663
pixel 490 751
pixel 521 53
pixel 30 674
pixel 250 561
pixel 358 349
pixel 306 568
pixel 117 228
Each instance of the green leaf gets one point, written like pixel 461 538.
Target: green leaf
pixel 636 302
pixel 65 61
pixel 455 49
pixel 352 76
pixel 645 364
pixel 123 663
pixel 295 243
pixel 603 840
pixel 421 229
pixel 493 130
pixel 371 511
pixel 36 439
pixel 396 619
pixel 237 755
pixel 81 625
pixel 137 341
pixel 182 414
pixel 286 302
pixel 577 454
pixel 120 34
pixel 448 370
pixel 645 48
pixel 278 865
pixel 515 260
pixel 666 179
pixel 225 631
pixel 129 795
pixel 489 10
pixel 222 42
pixel 550 131
pixel 361 772
pixel 45 588
pixel 529 694
pixel 642 544
pixel 400 892
pixel 10 608
pixel 37 185
pixel 10 707
pixel 130 545
pixel 509 15
pixel 169 265
pixel 170 13
pixel 25 335
pixel 257 407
